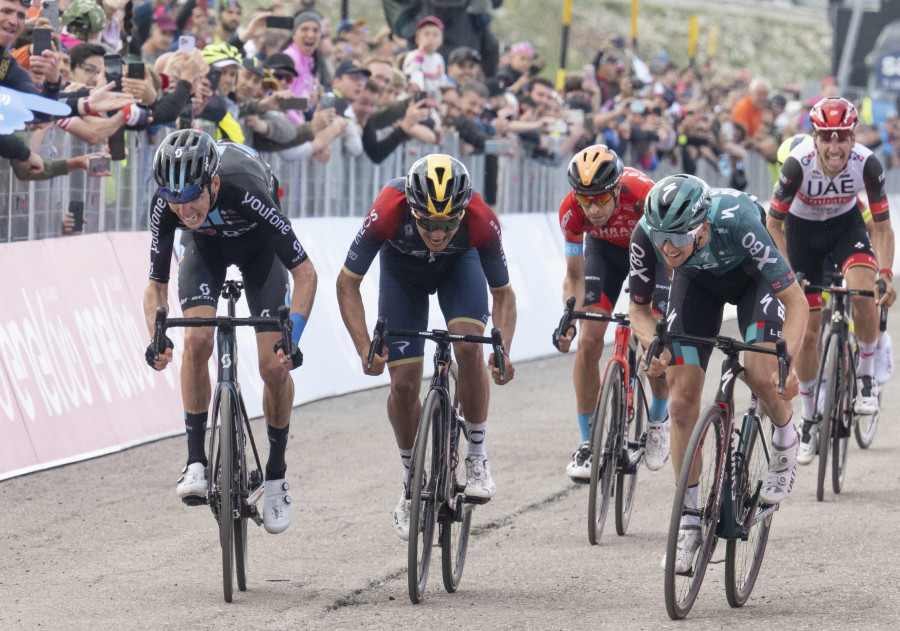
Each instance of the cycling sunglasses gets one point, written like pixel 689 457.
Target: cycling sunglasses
pixel 677 239
pixel 186 195
pixel 447 225
pixel 827 133
pixel 600 199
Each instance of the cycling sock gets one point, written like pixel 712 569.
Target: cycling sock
pixel 690 501
pixel 659 409
pixel 195 429
pixel 276 466
pixel 405 455
pixel 584 423
pixel 784 436
pixel 866 364
pixel 477 446
pixel 807 393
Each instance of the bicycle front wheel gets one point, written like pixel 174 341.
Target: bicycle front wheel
pixel 834 378
pixel 424 492
pixel 743 557
pixel 626 477
pixel 225 478
pixel 454 535
pixel 605 425
pixel 242 492
pixel 702 474
pixel 864 427
pixel 842 424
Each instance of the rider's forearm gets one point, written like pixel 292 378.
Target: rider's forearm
pixel 305 281
pixel 155 295
pixel 796 314
pixel 643 322
pixel 504 314
pixel 776 230
pixel 353 312
pixel 883 244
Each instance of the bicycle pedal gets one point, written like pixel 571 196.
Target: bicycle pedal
pixel 476 500
pixel 581 480
pixel 193 500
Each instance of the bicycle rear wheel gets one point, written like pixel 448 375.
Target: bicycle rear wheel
pixel 225 477
pixel 832 373
pixel 843 422
pixel 743 557
pixel 454 535
pixel 242 492
pixel 605 425
pixel 424 491
pixel 626 478
pixel 703 466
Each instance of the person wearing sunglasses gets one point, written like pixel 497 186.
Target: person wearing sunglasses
pixel 224 198
pixel 813 214
pixel 596 218
pixel 434 234
pixel 720 252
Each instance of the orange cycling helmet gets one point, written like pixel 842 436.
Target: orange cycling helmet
pixel 595 170
pixel 833 115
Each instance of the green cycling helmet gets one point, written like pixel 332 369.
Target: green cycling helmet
pixel 677 203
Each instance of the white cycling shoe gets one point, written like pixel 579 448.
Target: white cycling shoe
pixel 279 507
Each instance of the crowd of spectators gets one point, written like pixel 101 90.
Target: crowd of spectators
pixel 285 79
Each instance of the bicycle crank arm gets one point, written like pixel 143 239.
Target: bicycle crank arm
pixel 256 495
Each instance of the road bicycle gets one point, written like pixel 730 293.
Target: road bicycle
pixel 234 485
pixel 727 463
pixel 835 389
pixel 436 492
pixel 618 438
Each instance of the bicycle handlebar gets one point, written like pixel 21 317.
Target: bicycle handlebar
pixel 162 323
pixel 880 285
pixel 570 314
pixel 728 345
pixel 437 335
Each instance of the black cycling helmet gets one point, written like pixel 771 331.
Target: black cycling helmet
pixel 595 170
pixel 677 203
pixel 186 158
pixel 439 186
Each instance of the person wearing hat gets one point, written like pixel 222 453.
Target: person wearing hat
pixel 515 75
pixel 463 65
pixel 162 33
pixel 424 67
pixel 221 108
pixel 83 19
pixel 302 51
pixel 259 117
pixel 354 32
pixel 228 22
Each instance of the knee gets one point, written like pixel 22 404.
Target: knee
pixel 272 372
pixel 405 391
pixel 591 344
pixel 469 356
pixel 198 346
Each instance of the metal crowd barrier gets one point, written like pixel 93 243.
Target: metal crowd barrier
pixel 343 186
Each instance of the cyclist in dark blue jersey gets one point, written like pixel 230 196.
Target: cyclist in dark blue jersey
pixel 434 235
pixel 720 252
pixel 224 198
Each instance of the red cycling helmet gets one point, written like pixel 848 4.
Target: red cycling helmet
pixel 833 115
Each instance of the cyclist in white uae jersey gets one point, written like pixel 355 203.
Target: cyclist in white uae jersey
pixel 813 213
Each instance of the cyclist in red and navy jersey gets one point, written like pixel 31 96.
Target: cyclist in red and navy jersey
pixel 815 202
pixel 224 198
pixel 597 218
pixel 433 234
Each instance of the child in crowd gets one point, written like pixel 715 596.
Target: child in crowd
pixel 424 67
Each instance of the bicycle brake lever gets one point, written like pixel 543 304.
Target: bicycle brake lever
pixel 784 363
pixel 159 332
pixel 377 344
pixel 499 358
pixel 883 313
pixel 658 343
pixel 284 322
pixel 565 322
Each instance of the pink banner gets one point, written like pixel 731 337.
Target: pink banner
pixel 73 380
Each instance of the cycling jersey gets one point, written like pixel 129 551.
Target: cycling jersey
pixel 410 271
pixel 739 264
pixel 575 224
pixel 390 227
pixel 805 191
pixel 736 238
pixel 246 201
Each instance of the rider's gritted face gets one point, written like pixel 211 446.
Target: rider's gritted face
pixel 599 214
pixel 436 240
pixel 833 151
pixel 193 214
pixel 674 256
